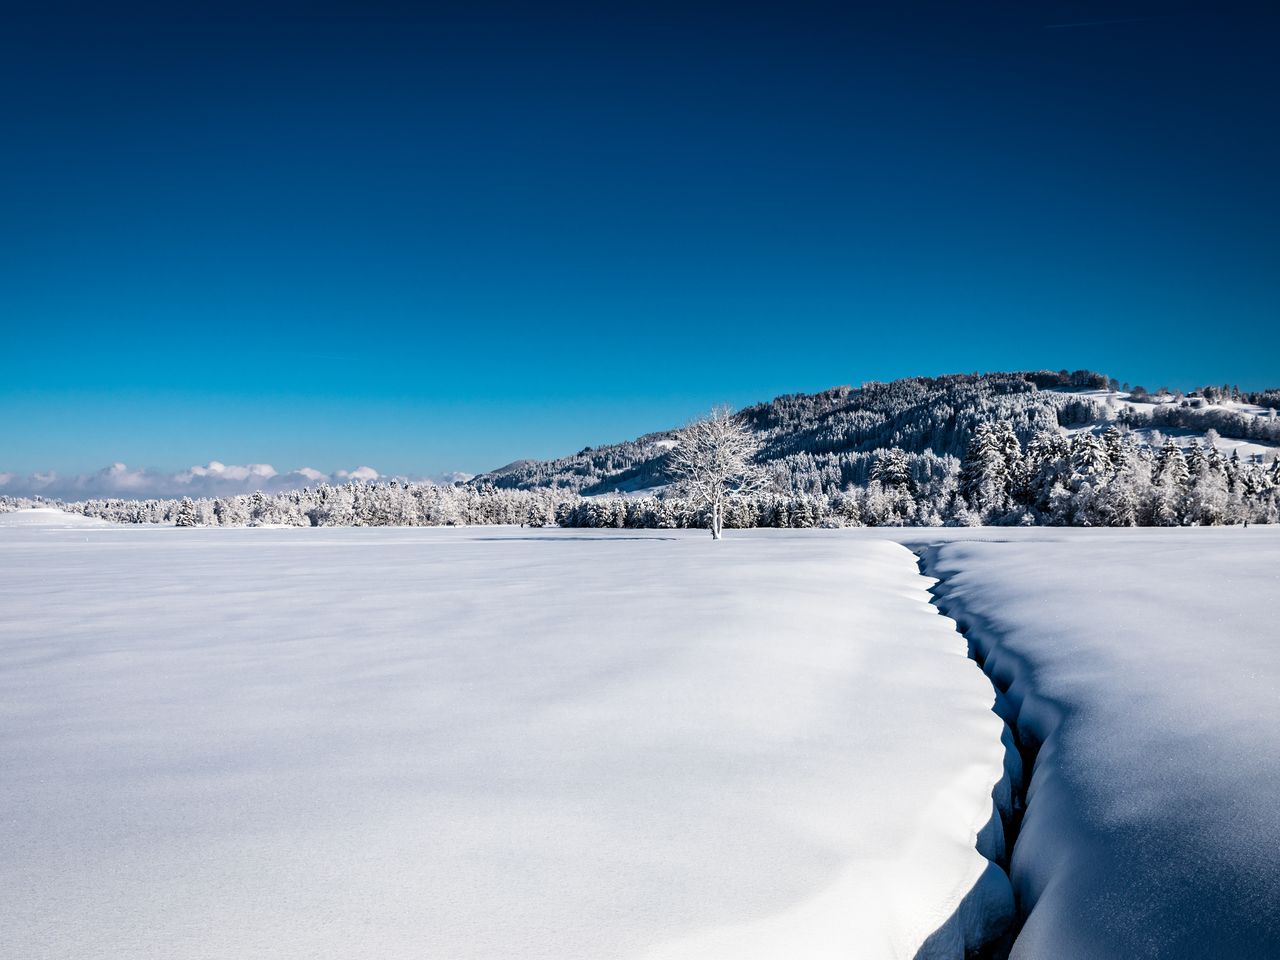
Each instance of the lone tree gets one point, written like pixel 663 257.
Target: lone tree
pixel 713 463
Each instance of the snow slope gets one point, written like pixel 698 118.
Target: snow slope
pixel 1144 666
pixel 49 517
pixel 471 743
pixel 1184 438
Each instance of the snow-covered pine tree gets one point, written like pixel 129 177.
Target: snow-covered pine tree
pixel 984 474
pixel 185 515
pixel 1089 460
pixel 1117 448
pixel 1197 462
pixel 1171 465
pixel 891 470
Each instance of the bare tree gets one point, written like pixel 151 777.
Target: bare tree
pixel 713 462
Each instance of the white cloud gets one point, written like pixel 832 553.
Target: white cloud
pixel 359 473
pixel 211 479
pixel 221 471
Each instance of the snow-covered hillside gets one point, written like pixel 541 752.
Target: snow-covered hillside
pixel 398 743
pixel 823 442
pixel 48 518
pixel 1248 430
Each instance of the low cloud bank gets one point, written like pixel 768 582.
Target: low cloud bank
pixel 214 479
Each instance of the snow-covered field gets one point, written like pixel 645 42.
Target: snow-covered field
pixel 490 742
pixel 1145 667
pixel 483 743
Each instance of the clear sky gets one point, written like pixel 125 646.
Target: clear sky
pixel 427 237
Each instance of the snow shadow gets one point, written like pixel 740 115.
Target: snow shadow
pixel 987 920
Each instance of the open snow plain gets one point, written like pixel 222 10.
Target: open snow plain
pixel 495 743
pixel 582 744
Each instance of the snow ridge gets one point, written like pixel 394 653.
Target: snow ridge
pixel 1138 675
pixel 1030 723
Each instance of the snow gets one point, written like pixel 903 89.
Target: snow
pixel 639 493
pixel 1147 663
pixel 634 744
pixel 1236 406
pixel 393 743
pixel 1186 439
pixel 1124 400
pixel 1182 437
pixel 50 517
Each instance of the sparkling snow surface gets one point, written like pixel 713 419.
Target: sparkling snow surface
pixel 1148 663
pixel 483 743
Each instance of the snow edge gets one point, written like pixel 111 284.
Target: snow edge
pixel 1030 724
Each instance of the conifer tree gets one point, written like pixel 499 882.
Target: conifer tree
pixel 185 515
pixel 984 474
pixel 892 471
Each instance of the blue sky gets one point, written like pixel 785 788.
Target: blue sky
pixel 434 237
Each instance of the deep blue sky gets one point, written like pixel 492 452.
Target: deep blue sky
pixel 429 236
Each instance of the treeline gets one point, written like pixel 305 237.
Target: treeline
pixel 1087 479
pixel 1237 424
pixel 1263 398
pixel 1110 479
pixel 354 504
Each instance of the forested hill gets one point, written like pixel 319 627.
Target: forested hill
pixel 822 442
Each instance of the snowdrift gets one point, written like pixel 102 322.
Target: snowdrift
pixel 1139 671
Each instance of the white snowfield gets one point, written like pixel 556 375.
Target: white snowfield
pixel 485 743
pixel 1147 663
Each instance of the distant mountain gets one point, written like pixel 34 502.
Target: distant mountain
pixel 821 443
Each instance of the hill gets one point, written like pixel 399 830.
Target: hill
pixel 822 443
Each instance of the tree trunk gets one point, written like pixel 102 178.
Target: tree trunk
pixel 717 520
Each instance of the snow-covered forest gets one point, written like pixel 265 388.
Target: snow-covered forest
pixel 1032 448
